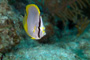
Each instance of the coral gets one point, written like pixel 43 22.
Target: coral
pixel 9 27
pixel 81 25
pixel 19 5
pixel 69 47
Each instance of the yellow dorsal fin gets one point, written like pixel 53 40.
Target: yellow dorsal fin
pixel 28 7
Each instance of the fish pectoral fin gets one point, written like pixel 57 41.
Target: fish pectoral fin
pixel 34 29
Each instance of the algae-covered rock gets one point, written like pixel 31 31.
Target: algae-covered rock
pixel 9 27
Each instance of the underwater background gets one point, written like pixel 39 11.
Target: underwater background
pixel 67 24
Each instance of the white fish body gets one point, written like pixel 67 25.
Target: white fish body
pixel 33 23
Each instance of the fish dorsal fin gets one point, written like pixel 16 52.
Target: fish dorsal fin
pixel 30 5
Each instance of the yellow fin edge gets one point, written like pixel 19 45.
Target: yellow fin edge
pixel 26 27
pixel 28 6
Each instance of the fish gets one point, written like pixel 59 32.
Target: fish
pixel 33 23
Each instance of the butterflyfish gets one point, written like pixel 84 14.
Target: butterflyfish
pixel 32 22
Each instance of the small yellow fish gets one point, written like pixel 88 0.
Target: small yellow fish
pixel 33 23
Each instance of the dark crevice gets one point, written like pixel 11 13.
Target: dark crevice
pixel 71 25
pixel 60 25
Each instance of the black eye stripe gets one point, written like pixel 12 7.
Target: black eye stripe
pixel 39 27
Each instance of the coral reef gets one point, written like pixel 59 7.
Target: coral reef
pixel 67 48
pixel 18 5
pixel 65 20
pixel 9 27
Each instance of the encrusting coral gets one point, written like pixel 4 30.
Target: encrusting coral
pixel 9 27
